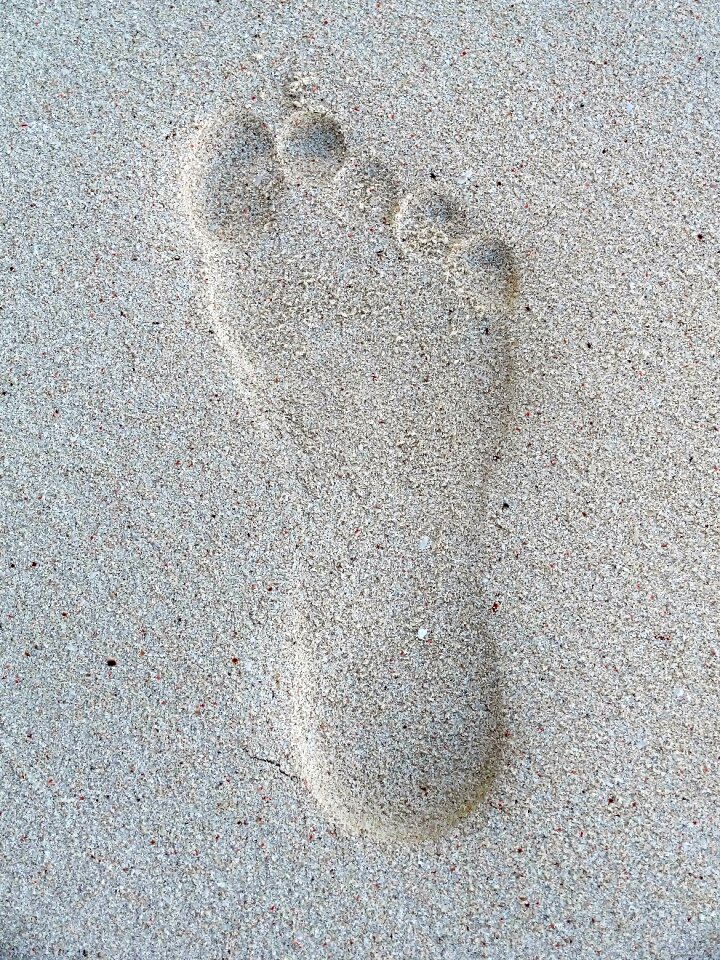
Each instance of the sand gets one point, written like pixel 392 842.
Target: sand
pixel 361 413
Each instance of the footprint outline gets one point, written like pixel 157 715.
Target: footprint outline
pixel 447 238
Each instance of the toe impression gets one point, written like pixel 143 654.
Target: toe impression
pixel 233 177
pixel 312 145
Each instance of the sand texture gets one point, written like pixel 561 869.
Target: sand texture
pixel 360 481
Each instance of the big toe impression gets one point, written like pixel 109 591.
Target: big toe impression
pixel 233 177
pixel 398 723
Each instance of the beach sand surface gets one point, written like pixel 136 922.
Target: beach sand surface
pixel 333 625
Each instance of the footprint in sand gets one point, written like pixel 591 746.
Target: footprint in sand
pixel 371 325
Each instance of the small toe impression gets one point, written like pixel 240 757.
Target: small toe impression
pixel 312 145
pixel 427 222
pixel 371 187
pixel 233 178
pixel 483 269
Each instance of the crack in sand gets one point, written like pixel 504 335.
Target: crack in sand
pixel 273 763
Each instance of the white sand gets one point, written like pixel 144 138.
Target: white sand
pixel 170 509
